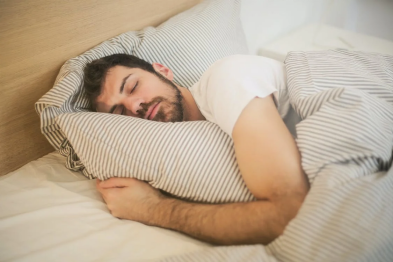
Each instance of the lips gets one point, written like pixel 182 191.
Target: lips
pixel 153 111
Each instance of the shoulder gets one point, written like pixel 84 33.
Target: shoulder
pixel 236 67
pixel 243 64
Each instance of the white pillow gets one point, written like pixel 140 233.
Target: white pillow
pixel 188 43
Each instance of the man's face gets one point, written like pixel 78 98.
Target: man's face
pixel 138 93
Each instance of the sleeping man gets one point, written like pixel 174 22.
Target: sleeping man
pixel 242 95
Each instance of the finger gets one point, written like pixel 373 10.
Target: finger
pixel 116 182
pixel 110 194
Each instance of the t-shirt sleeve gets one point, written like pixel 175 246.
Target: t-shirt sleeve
pixel 232 83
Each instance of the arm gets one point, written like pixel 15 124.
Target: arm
pixel 269 161
pixel 266 153
pixel 225 224
pixel 270 165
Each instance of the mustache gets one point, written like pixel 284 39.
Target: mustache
pixel 145 106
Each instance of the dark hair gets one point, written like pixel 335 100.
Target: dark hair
pixel 95 72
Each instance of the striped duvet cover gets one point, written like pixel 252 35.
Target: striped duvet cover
pixel 346 138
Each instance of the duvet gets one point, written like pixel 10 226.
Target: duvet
pixel 345 100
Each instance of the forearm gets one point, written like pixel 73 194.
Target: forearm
pixel 227 224
pixel 237 223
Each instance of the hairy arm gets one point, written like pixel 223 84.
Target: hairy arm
pixel 225 224
pixel 270 165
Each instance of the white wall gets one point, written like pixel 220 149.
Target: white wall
pixel 372 17
pixel 267 20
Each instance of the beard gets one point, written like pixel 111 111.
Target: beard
pixel 172 104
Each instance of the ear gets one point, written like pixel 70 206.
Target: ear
pixel 163 70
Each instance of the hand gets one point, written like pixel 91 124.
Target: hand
pixel 130 198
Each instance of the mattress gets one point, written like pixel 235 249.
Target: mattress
pixel 48 213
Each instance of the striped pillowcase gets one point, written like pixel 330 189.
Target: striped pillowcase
pixel 188 160
pixel 192 160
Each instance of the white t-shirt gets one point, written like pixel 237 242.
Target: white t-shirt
pixel 226 88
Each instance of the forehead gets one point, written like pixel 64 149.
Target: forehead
pixel 115 76
pixel 117 73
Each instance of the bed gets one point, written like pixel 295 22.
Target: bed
pixel 51 213
pixel 38 38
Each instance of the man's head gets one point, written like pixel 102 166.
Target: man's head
pixel 124 84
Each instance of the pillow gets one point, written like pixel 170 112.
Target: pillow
pixel 188 43
pixel 194 160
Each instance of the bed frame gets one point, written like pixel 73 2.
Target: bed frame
pixel 36 38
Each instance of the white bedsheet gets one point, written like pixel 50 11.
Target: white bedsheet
pixel 48 213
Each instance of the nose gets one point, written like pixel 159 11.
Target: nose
pixel 132 105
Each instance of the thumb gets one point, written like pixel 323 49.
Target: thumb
pixel 115 182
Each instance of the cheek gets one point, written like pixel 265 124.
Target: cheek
pixel 165 90
pixel 165 107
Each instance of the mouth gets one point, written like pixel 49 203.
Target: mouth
pixel 153 111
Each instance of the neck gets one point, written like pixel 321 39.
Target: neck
pixel 191 110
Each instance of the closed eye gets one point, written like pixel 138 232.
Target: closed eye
pixel 132 90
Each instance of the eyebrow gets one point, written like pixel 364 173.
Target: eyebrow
pixel 121 91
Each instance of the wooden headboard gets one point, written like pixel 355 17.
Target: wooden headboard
pixel 36 38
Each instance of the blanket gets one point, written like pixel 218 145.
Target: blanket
pixel 345 100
